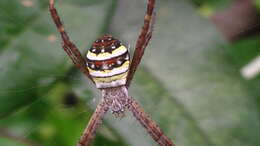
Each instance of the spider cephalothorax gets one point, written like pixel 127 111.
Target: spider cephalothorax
pixel 108 62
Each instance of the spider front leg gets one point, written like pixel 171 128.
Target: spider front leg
pixel 70 48
pixel 143 40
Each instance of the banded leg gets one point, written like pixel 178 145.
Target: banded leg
pixel 93 124
pixel 152 128
pixel 67 45
pixel 143 40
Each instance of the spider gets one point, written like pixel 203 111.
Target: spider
pixel 107 64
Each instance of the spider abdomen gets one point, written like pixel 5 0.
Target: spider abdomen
pixel 108 62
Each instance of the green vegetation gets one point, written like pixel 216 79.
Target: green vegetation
pixel 189 81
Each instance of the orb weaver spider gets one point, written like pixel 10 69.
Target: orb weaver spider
pixel 107 65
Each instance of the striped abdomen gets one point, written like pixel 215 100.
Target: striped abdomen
pixel 108 62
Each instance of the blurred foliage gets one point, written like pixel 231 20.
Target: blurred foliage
pixel 245 50
pixel 34 72
pixel 219 3
pixel 44 100
pixel 257 4
pixel 207 7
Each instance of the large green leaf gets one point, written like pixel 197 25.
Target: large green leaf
pixel 35 71
pixel 187 60
pixel 188 81
pixel 33 58
pixel 16 16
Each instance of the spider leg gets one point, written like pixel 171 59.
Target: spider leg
pixel 71 50
pixel 93 124
pixel 143 40
pixel 152 128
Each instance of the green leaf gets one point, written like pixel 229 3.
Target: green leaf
pixel 257 4
pixel 188 82
pixel 33 64
pixel 190 86
pixel 15 17
pixel 35 72
pixel 7 142
pixel 33 59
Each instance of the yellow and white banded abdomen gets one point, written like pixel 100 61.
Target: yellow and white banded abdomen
pixel 108 62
